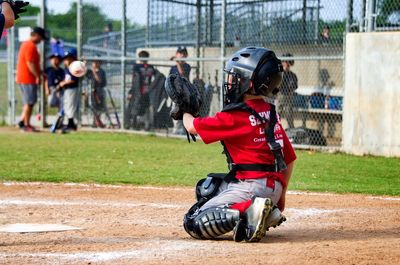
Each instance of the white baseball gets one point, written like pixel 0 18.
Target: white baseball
pixel 77 68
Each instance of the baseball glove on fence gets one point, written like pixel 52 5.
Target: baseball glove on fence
pixel 185 96
pixel 17 6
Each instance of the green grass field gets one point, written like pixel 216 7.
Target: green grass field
pixel 150 160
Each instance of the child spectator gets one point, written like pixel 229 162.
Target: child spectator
pixel 138 96
pixel 98 81
pixel 55 74
pixel 71 93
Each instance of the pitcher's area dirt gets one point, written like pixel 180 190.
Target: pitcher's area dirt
pixel 143 225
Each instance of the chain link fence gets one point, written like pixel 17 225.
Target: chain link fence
pixel 136 44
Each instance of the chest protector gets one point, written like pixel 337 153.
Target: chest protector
pixel 208 187
pixel 279 162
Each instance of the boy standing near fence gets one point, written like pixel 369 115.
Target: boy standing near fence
pixel 138 95
pixel 55 74
pixel 98 81
pixel 71 91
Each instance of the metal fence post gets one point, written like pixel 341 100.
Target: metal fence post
pixel 370 14
pixel 147 36
pixel 316 29
pixel 349 17
pixel 304 21
pixel 363 18
pixel 43 105
pixel 198 36
pixel 79 48
pixel 11 82
pixel 222 53
pixel 123 61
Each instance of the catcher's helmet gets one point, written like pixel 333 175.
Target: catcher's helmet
pixel 252 70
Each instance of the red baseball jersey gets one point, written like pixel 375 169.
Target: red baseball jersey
pixel 244 137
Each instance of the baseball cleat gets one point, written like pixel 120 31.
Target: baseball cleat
pixel 239 232
pixel 275 218
pixel 256 218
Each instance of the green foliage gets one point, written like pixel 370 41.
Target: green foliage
pixel 31 11
pixel 149 160
pixel 336 29
pixel 64 25
pixel 386 8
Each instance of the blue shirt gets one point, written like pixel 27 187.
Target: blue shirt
pixel 54 76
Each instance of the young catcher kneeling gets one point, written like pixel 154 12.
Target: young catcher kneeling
pixel 250 198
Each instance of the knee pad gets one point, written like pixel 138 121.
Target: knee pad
pixel 208 187
pixel 211 223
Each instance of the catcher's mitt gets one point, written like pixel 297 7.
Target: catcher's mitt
pixel 17 6
pixel 185 96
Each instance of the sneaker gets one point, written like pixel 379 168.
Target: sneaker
pixel 30 129
pixel 256 216
pixel 72 127
pixel 21 125
pixel 275 218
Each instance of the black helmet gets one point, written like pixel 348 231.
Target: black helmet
pixel 252 65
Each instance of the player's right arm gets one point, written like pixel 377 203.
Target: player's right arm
pixel 212 129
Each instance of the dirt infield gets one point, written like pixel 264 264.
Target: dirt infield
pixel 143 225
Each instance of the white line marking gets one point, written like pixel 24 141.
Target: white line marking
pixel 384 198
pixel 294 192
pixel 291 192
pixel 68 184
pixel 36 228
pixel 26 201
pixel 298 213
pixel 155 251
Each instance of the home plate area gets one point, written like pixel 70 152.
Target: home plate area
pixel 44 223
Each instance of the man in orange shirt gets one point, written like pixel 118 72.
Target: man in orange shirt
pixel 29 75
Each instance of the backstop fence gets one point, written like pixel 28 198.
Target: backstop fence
pixel 308 35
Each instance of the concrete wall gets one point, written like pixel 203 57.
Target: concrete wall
pixel 371 120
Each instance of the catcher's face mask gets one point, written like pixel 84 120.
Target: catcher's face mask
pixel 234 87
pixel 253 70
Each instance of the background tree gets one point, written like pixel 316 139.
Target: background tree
pixel 387 9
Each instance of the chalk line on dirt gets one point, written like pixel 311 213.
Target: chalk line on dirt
pixel 69 184
pixel 36 228
pixel 28 201
pixel 297 213
pixel 155 250
pixel 383 198
pixel 292 192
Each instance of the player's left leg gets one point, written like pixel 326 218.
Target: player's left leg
pixel 210 223
pixel 215 217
